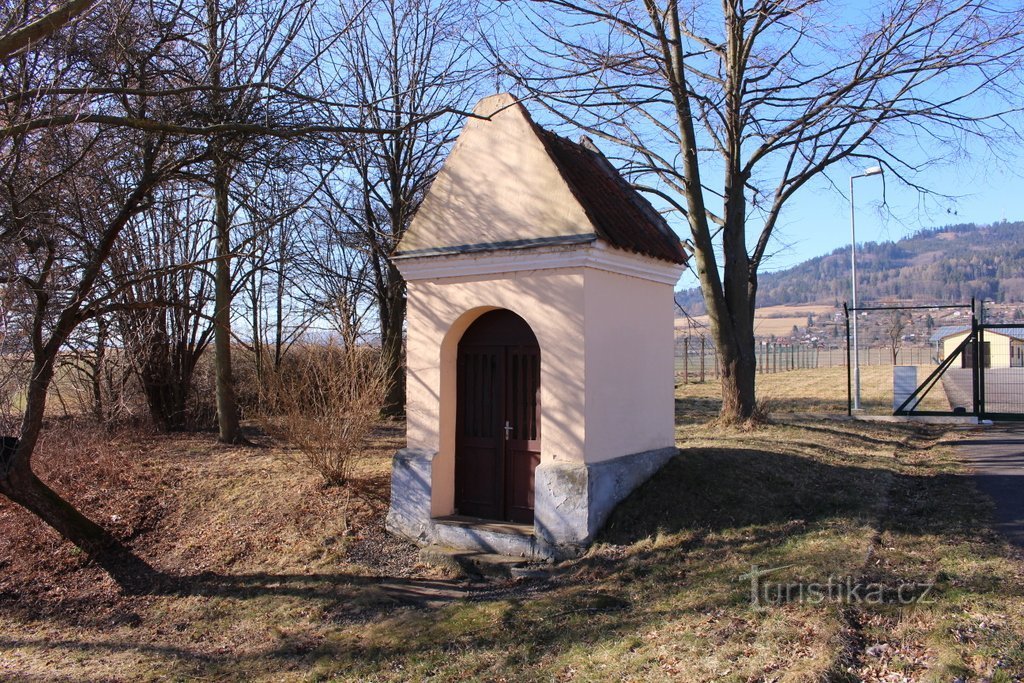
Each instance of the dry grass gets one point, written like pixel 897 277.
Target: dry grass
pixel 295 587
pixel 820 391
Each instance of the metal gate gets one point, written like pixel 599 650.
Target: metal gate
pixel 980 370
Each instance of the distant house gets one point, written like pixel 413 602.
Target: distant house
pixel 1003 346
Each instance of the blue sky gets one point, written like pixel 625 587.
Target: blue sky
pixel 817 220
pixel 972 184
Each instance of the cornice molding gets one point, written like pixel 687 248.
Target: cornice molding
pixel 595 255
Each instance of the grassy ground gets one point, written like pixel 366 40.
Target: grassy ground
pixel 820 390
pixel 290 581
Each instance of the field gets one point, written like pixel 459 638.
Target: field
pixel 775 320
pixel 280 578
pixel 820 391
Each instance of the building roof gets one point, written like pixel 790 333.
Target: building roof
pixel 622 216
pixel 510 184
pixel 941 333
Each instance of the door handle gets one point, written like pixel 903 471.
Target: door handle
pixel 508 430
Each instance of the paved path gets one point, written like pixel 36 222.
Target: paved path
pixel 1004 389
pixel 997 456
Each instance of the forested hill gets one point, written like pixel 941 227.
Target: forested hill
pixel 949 264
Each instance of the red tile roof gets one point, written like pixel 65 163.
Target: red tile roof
pixel 621 215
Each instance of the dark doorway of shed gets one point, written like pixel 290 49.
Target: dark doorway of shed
pixel 497 422
pixel 968 356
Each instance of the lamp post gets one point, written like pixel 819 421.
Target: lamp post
pixel 874 170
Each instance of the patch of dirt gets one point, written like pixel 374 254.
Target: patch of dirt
pixel 194 509
pixel 105 477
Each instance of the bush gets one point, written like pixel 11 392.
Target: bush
pixel 325 400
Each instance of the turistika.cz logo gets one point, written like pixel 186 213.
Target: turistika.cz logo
pixel 845 590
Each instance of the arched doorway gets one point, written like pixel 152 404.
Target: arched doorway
pixel 497 420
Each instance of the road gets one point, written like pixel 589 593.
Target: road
pixel 1004 389
pixel 997 457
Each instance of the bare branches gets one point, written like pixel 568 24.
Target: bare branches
pixel 13 40
pixel 770 95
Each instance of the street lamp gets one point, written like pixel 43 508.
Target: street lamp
pixel 873 170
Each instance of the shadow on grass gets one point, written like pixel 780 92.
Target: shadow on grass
pixel 719 489
pixel 765 496
pixel 715 489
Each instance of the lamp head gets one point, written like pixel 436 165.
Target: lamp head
pixel 873 170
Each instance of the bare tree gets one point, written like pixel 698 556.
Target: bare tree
pixel 21 29
pixel 57 260
pixel 276 198
pixel 401 60
pixel 161 275
pixel 769 95
pixel 95 121
pixel 896 324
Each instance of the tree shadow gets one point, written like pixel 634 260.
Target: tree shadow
pixel 715 489
pixel 731 500
pixel 375 488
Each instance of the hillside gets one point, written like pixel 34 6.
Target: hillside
pixel 941 265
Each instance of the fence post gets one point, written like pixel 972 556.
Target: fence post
pixel 849 398
pixel 702 359
pixel 686 359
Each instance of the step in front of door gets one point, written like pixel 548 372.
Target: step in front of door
pixel 487 536
pixel 477 564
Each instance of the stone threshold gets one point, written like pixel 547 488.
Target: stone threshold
pixel 487 525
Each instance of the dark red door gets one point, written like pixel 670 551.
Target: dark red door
pixel 497 445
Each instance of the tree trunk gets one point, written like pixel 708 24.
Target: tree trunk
pixel 227 404
pixel 98 409
pixel 20 484
pixel 738 376
pixel 393 317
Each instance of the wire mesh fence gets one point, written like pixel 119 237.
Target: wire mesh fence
pixel 697 358
pixel 986 378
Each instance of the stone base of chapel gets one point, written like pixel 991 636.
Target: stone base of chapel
pixel 572 502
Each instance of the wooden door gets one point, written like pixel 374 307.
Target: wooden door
pixel 967 360
pixel 479 459
pixel 497 445
pixel 522 426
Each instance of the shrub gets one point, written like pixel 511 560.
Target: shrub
pixel 325 400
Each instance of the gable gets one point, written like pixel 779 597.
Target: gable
pixel 508 183
pixel 498 186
